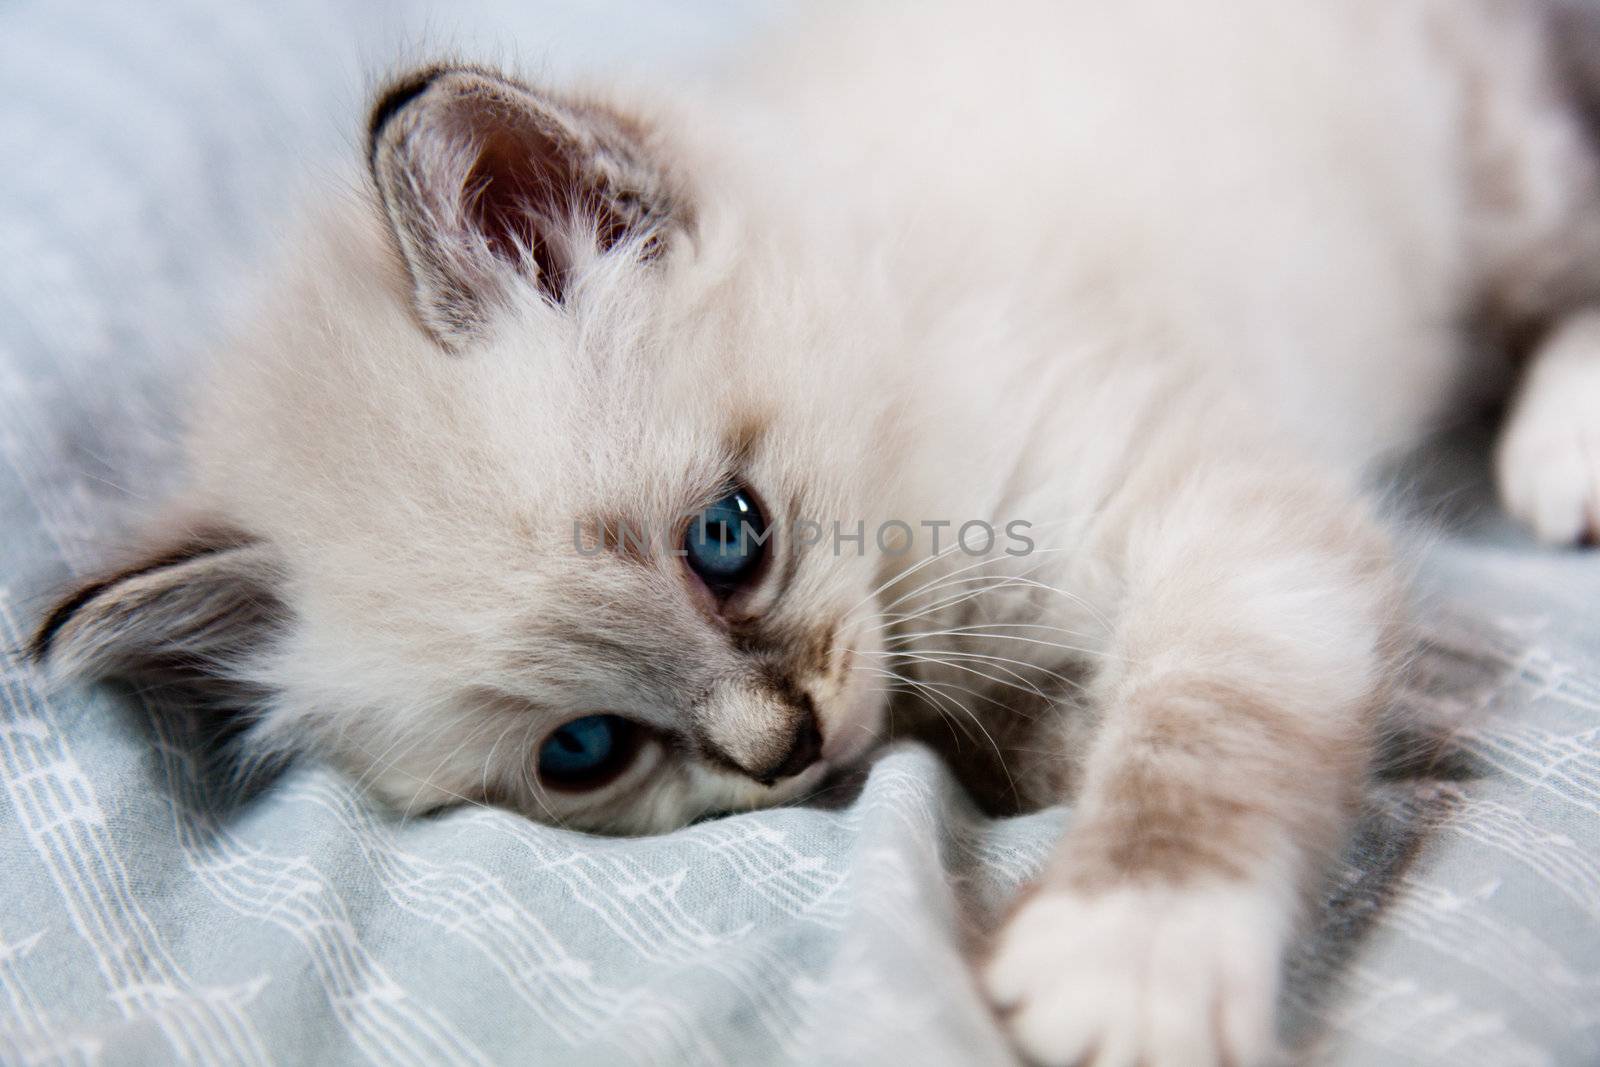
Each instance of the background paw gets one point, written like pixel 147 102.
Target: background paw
pixel 1154 977
pixel 1547 465
pixel 1549 477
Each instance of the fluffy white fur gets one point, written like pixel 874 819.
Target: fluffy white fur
pixel 1548 462
pixel 1158 277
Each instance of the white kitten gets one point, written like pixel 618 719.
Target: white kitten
pixel 1136 288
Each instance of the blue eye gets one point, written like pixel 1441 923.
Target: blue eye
pixel 586 752
pixel 725 542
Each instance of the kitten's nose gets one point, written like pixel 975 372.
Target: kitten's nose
pixel 765 731
pixel 805 745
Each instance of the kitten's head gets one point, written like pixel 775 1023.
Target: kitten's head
pixel 509 497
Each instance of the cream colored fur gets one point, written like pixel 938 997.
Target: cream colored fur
pixel 1157 277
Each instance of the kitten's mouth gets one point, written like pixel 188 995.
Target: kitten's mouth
pixel 793 788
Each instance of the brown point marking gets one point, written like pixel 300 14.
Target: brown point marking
pixel 846 661
pixel 562 633
pixel 747 637
pixel 781 684
pixel 745 434
pixel 789 565
pixel 788 652
pixel 820 651
pixel 1167 814
pixel 393 100
pixel 1170 832
pixel 201 544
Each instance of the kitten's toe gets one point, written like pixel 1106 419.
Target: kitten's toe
pixel 1549 478
pixel 1547 464
pixel 1159 977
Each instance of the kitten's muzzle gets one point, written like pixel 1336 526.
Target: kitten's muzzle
pixel 759 731
pixel 804 747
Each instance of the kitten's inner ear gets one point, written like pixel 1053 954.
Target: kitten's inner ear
pixel 487 184
pixel 181 619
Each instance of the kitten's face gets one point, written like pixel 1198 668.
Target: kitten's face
pixel 542 578
pixel 529 537
pixel 556 617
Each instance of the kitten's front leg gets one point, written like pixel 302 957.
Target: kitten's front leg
pixel 1234 732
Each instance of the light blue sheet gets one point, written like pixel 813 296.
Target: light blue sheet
pixel 148 917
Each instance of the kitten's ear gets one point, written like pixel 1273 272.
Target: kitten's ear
pixel 181 618
pixel 486 181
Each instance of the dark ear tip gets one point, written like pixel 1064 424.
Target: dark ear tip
pixel 201 541
pixel 403 90
pixel 43 640
pixel 37 650
pixel 394 99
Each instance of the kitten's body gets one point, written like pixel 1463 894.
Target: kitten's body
pixel 1156 279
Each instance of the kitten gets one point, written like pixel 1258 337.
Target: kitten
pixel 594 463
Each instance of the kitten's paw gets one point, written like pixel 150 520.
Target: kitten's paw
pixel 1156 977
pixel 1548 461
